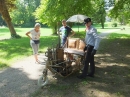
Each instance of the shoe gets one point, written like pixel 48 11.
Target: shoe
pixel 90 75
pixel 81 77
pixel 38 62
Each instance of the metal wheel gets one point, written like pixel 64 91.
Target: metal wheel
pixel 42 81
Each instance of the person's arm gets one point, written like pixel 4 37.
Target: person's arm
pixel 59 32
pixel 97 39
pixel 39 35
pixel 72 33
pixel 28 35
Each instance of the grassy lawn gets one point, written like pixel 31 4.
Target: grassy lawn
pixel 4 32
pixel 12 50
pixel 15 49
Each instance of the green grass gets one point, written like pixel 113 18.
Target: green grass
pixel 15 49
pixel 4 32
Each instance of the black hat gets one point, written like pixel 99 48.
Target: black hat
pixel 86 20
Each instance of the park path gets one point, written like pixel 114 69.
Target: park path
pixel 20 80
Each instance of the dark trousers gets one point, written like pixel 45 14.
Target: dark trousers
pixel 89 59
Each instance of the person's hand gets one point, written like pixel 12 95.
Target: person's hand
pixel 85 48
pixel 68 37
pixel 93 52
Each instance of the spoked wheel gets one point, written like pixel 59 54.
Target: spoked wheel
pixel 42 81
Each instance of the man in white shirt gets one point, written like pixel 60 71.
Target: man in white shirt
pixel 92 41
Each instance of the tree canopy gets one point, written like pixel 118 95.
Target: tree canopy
pixel 121 10
pixel 23 15
pixel 52 11
pixel 99 13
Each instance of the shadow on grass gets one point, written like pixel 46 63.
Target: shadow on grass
pixel 113 66
pixel 112 75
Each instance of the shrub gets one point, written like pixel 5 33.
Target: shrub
pixel 114 25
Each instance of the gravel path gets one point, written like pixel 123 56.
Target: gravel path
pixel 20 80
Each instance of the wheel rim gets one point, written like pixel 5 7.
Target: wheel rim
pixel 42 82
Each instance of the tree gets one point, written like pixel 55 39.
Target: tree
pixel 5 7
pixel 52 11
pixel 121 11
pixel 22 16
pixel 99 12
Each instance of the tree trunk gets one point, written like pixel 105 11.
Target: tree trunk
pixel 6 16
pixel 54 30
pixel 102 24
pixel 11 28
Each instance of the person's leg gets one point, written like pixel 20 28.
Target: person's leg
pixel 92 67
pixel 63 41
pixel 86 65
pixel 35 50
pixel 36 57
pixel 87 61
pixel 36 53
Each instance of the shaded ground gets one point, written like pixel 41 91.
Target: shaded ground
pixel 20 80
pixel 112 77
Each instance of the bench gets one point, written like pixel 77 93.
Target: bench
pixel 74 46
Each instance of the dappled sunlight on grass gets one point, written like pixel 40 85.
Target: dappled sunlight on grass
pixel 118 35
pixel 128 55
pixel 15 49
pixel 113 65
pixel 3 63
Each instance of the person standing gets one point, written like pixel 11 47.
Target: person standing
pixel 92 41
pixel 35 40
pixel 65 31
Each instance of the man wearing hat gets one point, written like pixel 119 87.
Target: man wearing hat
pixel 92 43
